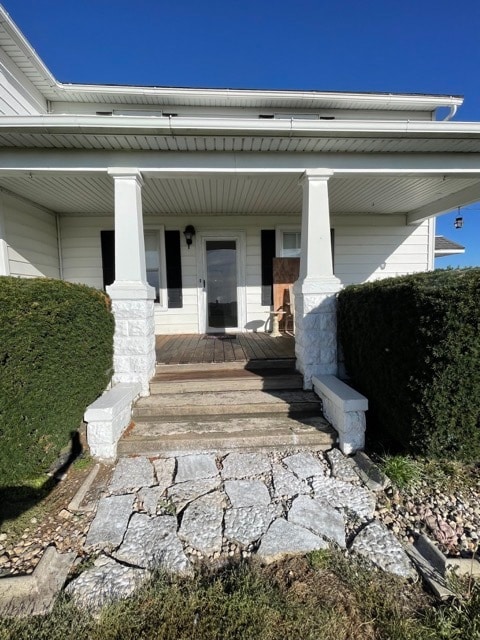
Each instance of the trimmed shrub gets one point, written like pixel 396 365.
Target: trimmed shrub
pixel 412 346
pixel 56 346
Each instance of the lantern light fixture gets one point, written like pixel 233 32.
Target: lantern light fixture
pixel 189 233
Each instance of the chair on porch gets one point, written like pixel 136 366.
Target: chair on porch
pixel 285 273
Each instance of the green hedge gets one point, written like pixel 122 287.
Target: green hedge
pixel 56 343
pixel 412 346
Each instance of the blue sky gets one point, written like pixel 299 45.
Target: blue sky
pixel 416 46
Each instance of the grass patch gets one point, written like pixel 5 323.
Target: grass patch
pixel 323 597
pixel 403 471
pixel 84 461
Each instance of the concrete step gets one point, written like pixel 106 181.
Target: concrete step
pixel 227 403
pixel 234 380
pixel 249 365
pixel 245 432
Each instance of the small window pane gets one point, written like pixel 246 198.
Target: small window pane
pixel 152 260
pixel 291 244
pixel 152 257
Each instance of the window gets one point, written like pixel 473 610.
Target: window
pixel 155 264
pixel 287 242
pixel 163 264
pixel 291 244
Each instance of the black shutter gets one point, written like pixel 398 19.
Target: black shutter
pixel 174 269
pixel 268 254
pixel 107 240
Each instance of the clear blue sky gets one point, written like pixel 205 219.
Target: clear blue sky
pixel 417 46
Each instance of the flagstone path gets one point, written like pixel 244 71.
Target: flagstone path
pixel 171 513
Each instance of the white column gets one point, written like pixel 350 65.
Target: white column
pixel 316 288
pixel 132 297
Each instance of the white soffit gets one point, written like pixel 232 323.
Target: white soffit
pixel 240 194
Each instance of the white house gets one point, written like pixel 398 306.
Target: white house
pixel 98 185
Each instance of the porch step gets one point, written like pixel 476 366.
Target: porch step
pixel 212 403
pixel 248 365
pixel 222 435
pixel 225 380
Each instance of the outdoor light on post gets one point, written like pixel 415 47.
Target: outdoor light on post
pixel 189 233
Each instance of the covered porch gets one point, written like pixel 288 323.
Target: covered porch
pixel 207 348
pixel 355 216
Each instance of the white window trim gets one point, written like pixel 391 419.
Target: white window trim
pixel 162 305
pixel 279 231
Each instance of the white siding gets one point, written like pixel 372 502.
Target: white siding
pixel 81 248
pixel 82 261
pixel 379 247
pixel 366 248
pixel 233 112
pixel 31 236
pixel 18 96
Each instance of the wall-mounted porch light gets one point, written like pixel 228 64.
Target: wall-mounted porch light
pixel 189 233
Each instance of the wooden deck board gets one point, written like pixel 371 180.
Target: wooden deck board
pixel 243 347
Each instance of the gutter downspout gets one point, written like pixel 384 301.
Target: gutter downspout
pixel 4 261
pixel 452 112
pixel 59 246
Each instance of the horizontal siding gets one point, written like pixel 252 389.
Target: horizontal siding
pixel 231 111
pixel 375 247
pixel 81 248
pixel 31 236
pixel 364 253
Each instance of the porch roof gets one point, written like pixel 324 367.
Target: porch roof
pixel 411 195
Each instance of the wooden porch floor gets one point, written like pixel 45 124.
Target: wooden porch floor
pixel 240 347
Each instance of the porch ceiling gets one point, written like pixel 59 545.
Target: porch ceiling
pixel 220 194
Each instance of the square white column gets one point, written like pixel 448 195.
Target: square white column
pixel 316 288
pixel 132 297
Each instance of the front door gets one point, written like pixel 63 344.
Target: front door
pixel 222 287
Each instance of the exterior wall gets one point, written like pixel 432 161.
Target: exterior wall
pixel 31 237
pixel 82 261
pixel 373 247
pixel 366 248
pixel 234 112
pixel 18 96
pixel 81 248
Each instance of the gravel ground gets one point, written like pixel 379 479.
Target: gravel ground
pixel 54 524
pixel 446 509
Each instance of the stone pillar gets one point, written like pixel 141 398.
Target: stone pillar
pixel 132 297
pixel 316 288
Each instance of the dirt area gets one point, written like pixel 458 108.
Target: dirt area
pixel 33 520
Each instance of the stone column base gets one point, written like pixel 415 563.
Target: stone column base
pixel 134 340
pixel 316 327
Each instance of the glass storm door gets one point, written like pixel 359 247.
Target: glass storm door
pixel 221 284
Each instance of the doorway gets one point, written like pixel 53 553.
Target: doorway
pixel 222 286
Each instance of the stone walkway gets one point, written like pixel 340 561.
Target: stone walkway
pixel 173 512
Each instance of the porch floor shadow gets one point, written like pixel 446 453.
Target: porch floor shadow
pixel 208 348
